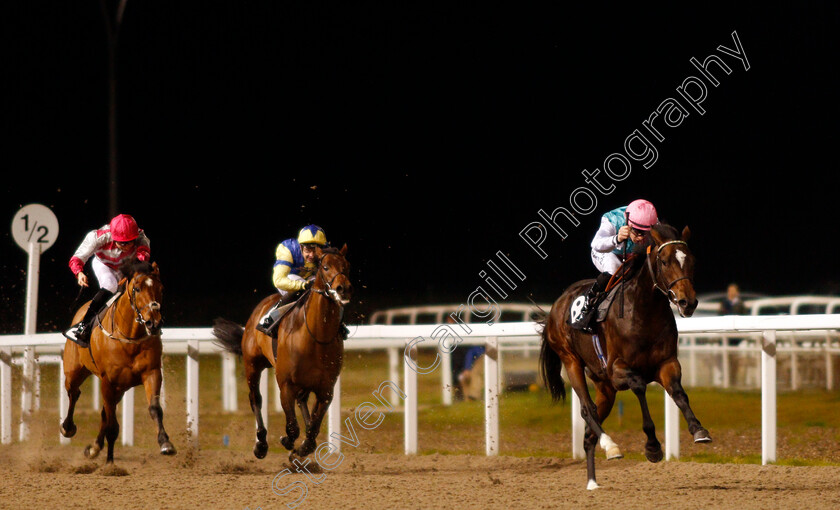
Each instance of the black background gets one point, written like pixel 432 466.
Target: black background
pixel 426 137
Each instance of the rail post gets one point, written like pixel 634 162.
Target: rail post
pixel 5 395
pixel 672 428
pixel 578 428
pixel 334 417
pixel 768 397
pixel 127 429
pixel 410 404
pixel 63 400
pixel 192 390
pixel 491 395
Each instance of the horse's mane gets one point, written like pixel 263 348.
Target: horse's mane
pixel 142 267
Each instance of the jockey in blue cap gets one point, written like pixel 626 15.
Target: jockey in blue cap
pixel 294 270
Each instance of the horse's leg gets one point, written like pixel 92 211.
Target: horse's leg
pixel 669 377
pixel 303 405
pixel 314 427
pixel 604 400
pixel 151 383
pixel 589 412
pixel 621 372
pixel 108 428
pixel 253 371
pixel 92 450
pixel 287 400
pixel 111 399
pixel 74 375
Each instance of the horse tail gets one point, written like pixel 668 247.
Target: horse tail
pixel 550 364
pixel 230 334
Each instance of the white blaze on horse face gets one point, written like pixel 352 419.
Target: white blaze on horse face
pixel 681 258
pixel 149 282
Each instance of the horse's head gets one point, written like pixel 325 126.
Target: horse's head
pixel 333 278
pixel 144 291
pixel 671 266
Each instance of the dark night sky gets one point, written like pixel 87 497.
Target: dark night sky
pixel 425 137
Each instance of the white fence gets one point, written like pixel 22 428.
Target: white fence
pixel 396 339
pixel 778 305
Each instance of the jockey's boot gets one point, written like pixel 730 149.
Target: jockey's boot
pixel 80 332
pixel 268 323
pixel 590 304
pixel 343 332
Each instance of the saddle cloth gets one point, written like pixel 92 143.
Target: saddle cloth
pixel 605 300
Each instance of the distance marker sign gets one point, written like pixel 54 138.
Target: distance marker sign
pixel 35 223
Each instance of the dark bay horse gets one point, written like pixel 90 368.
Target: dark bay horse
pixel 125 351
pixel 306 352
pixel 639 348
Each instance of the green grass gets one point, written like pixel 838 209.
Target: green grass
pixel 530 423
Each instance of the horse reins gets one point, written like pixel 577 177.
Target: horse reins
pixel 654 275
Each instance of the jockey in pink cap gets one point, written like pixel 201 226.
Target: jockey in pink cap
pixel 620 231
pixel 112 246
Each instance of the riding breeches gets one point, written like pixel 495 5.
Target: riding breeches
pixel 108 278
pixel 290 277
pixel 606 262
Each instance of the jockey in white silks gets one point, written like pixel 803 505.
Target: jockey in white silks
pixel 111 247
pixel 620 231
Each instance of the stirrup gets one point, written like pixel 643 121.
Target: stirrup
pixel 343 331
pixel 78 334
pixel 266 325
pixel 584 321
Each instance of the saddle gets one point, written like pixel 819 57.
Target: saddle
pixel 602 303
pixel 284 311
pixel 603 300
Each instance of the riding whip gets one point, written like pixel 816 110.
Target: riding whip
pixel 623 274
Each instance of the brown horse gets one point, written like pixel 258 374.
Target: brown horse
pixel 307 352
pixel 125 351
pixel 639 348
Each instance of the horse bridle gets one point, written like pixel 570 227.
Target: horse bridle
pixel 331 294
pixel 132 299
pixel 138 318
pixel 654 273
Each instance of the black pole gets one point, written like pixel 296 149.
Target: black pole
pixel 112 29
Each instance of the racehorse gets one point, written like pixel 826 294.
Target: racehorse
pixel 125 351
pixel 634 350
pixel 306 351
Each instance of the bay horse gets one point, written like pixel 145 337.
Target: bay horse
pixel 306 351
pixel 125 351
pixel 637 349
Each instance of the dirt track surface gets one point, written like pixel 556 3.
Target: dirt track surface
pixel 226 479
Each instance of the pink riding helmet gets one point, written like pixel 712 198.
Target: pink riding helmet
pixel 124 228
pixel 641 215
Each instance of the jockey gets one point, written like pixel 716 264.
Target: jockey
pixel 294 270
pixel 111 246
pixel 621 230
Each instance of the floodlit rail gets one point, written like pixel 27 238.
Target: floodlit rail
pixel 398 339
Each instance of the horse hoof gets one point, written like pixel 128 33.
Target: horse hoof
pixel 305 448
pixel 70 431
pixel 592 485
pixel 167 449
pixel 287 442
pixel 91 451
pixel 614 453
pixel 260 450
pixel 654 455
pixel 702 436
